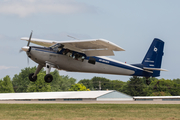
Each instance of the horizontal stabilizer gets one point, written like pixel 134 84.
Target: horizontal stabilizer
pixel 158 69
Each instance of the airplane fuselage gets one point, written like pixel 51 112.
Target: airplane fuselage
pixel 86 56
pixel 93 64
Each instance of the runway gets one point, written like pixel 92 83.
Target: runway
pixel 90 102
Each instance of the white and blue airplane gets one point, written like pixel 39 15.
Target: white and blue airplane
pixel 88 56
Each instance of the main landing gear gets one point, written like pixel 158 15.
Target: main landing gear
pixel 48 78
pixel 32 77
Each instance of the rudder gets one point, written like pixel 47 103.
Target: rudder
pixel 153 58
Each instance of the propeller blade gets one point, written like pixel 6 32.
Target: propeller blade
pixel 30 38
pixel 28 60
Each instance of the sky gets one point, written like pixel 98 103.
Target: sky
pixel 130 24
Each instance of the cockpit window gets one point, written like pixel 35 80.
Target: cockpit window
pixel 57 47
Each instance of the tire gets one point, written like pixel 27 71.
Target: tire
pixel 48 78
pixel 33 79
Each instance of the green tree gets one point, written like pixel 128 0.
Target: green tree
pixel 116 85
pixel 151 79
pixel 160 94
pixel 67 82
pixel 6 85
pixel 57 81
pixel 78 87
pixel 176 80
pixel 61 83
pixel 167 86
pixel 20 82
pixel 40 85
pixel 87 83
pixel 134 87
pixel 105 83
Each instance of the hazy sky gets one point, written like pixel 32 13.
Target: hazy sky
pixel 131 24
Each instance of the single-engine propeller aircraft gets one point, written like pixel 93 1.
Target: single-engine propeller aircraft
pixel 88 56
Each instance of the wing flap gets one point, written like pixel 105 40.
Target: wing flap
pixel 99 53
pixel 93 44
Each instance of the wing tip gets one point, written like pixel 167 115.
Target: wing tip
pixel 24 38
pixel 118 48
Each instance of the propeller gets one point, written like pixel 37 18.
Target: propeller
pixel 26 48
pixel 30 38
pixel 28 60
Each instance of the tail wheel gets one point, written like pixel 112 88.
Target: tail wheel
pixel 48 78
pixel 148 82
pixel 31 78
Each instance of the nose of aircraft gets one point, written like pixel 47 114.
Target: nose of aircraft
pixel 25 48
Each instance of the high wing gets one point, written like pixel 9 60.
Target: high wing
pixel 91 47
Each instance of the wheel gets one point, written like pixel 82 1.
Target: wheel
pixel 31 78
pixel 48 78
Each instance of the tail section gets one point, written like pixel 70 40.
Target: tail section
pixel 153 58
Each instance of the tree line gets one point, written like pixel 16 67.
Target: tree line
pixel 135 86
pixel 21 83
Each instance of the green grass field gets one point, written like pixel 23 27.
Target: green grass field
pixel 89 111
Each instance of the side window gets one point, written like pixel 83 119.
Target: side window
pixel 66 51
pixel 69 54
pixel 92 60
pixel 78 57
pixel 57 47
pixel 73 55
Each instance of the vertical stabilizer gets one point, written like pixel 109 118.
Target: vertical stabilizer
pixel 154 55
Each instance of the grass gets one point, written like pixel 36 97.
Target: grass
pixel 89 111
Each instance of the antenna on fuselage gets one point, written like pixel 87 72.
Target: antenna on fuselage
pixel 72 37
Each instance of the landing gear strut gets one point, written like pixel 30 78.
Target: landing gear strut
pixel 33 76
pixel 48 78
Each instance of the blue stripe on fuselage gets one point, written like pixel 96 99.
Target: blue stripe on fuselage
pixel 112 63
pixel 138 71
